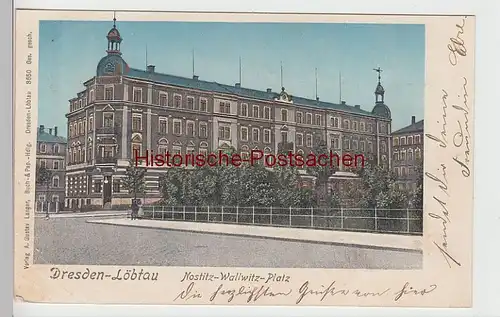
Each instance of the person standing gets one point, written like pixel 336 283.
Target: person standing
pixel 135 209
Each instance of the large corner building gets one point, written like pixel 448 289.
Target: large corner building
pixel 122 109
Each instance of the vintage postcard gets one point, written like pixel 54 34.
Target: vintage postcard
pixel 244 159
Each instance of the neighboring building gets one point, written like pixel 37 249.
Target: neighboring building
pixel 51 155
pixel 123 109
pixel 408 150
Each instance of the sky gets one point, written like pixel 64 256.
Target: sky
pixel 70 50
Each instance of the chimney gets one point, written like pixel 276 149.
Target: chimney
pixel 55 131
pixel 42 128
pixel 343 102
pixel 357 106
pixel 412 119
pixel 237 85
pixel 151 68
pixel 50 131
pixel 269 90
pixel 195 77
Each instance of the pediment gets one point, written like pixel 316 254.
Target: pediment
pixel 108 107
pixel 179 143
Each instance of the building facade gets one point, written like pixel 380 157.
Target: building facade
pixel 408 151
pixel 51 156
pixel 124 109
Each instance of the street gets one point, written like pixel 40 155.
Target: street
pixel 72 241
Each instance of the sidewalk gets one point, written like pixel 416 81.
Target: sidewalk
pixel 359 239
pixel 98 213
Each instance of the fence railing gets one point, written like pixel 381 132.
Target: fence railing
pixel 405 221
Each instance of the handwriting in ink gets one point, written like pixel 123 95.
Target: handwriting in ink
pixel 463 137
pixel 323 292
pixel 442 140
pixel 252 293
pixel 188 293
pixel 409 290
pixel 456 46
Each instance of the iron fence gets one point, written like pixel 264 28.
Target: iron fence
pixel 404 221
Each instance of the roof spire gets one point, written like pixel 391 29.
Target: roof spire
pixel 378 70
pixel 114 19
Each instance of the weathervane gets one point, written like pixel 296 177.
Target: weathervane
pixel 378 70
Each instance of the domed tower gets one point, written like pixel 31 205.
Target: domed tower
pixel 380 108
pixel 112 64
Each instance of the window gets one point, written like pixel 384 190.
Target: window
pixel 410 140
pixel 309 140
pixel 190 103
pixel 308 118
pixel 177 101
pixel 346 124
pixel 203 104
pixel 136 122
pixel 267 136
pixel 108 119
pixel 355 145
pixel 417 154
pixel 163 125
pixel 80 128
pixel 403 140
pixel 300 139
pixel 256 112
pixel 347 144
pixel 107 151
pixel 97 186
pixel 163 99
pixel 410 154
pixel 267 113
pixel 395 156
pixel 190 128
pixel 395 141
pixel 43 164
pixel 43 148
pixel 108 93
pixel 403 155
pixel 55 181
pixel 362 146
pixel 403 171
pixel 55 149
pixel 384 147
pixel 362 127
pixel 136 149
pixel 284 136
pixel 224 132
pixel 91 123
pixel 177 127
pixel 298 117
pixel 334 143
pixel 137 94
pixel 355 125
pixel 255 134
pixel 317 119
pixel 92 96
pixel 396 171
pixel 417 139
pixel 370 147
pixel 89 153
pixel 334 122
pixel 244 110
pixel 203 129
pixel 225 107
pixel 370 127
pixel 244 133
pixel 55 165
pixel 116 185
pixel 284 115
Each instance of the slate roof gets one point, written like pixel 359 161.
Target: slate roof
pixel 233 90
pixel 49 138
pixel 416 127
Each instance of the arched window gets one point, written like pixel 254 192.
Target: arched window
pixel 162 146
pixel 55 181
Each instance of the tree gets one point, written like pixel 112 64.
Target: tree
pixel 44 179
pixel 418 197
pixel 322 173
pixel 134 180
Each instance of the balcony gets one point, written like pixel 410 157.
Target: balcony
pixel 106 160
pixel 108 130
